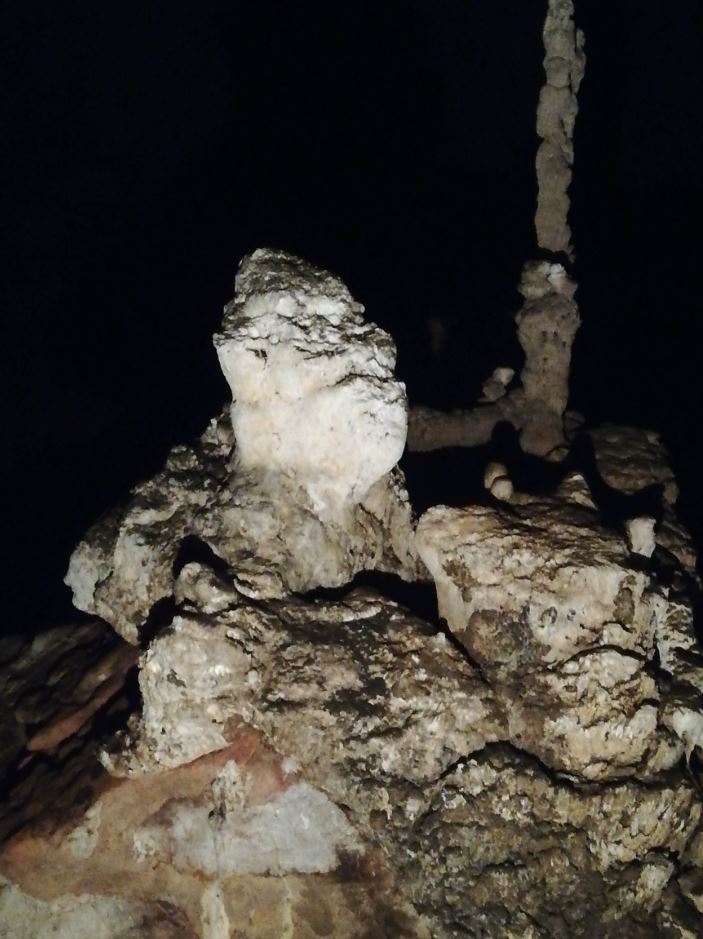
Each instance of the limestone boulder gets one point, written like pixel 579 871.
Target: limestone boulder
pixel 563 625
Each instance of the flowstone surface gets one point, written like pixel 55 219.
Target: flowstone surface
pixel 275 759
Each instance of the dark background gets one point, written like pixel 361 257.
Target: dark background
pixel 148 146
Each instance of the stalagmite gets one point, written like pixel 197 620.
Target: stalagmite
pixel 564 64
pixel 549 318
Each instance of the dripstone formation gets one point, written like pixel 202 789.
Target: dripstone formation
pixel 308 757
pixel 309 495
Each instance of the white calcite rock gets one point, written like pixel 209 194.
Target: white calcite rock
pixel 497 482
pixel 492 472
pixel 299 830
pixel 313 389
pixel 302 493
pixel 263 526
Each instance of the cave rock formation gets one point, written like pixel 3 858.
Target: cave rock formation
pixel 329 763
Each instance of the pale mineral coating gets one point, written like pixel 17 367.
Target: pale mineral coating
pixel 263 525
pixel 23 916
pixel 299 831
pixel 546 603
pixel 313 390
pixel 564 64
pixel 640 535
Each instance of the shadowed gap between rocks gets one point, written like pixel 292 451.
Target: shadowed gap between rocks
pixel 160 616
pixel 195 550
pixel 454 476
pixel 418 598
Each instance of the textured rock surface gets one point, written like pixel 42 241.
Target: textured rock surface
pixel 358 680
pixel 304 498
pixel 313 390
pixel 260 719
pixel 630 459
pixel 564 63
pixel 548 605
pixel 171 855
pixel 547 325
pixel 505 850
